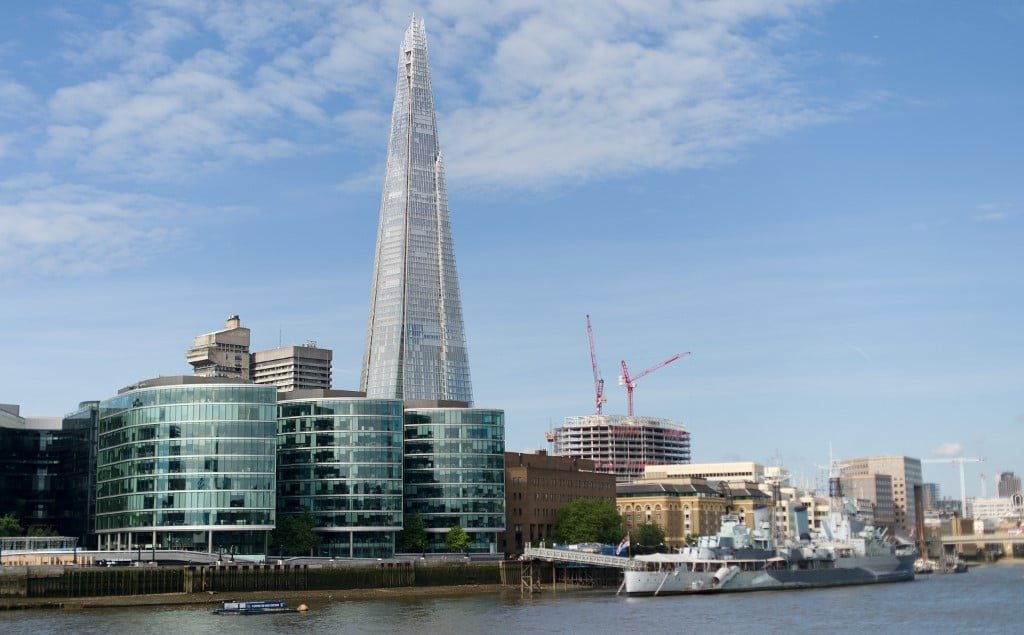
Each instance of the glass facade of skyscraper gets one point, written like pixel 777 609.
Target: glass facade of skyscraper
pixel 415 342
pixel 341 460
pixel 455 473
pixel 187 463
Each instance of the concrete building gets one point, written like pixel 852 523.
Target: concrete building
pixel 684 507
pixel 415 341
pixel 874 496
pixel 905 473
pixel 187 463
pixel 1001 508
pixel 455 471
pixel 733 473
pixel 1009 485
pixel 537 485
pixel 339 457
pixel 290 368
pixel 622 445
pixel 223 353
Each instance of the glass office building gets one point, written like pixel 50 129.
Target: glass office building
pixel 45 471
pixel 455 473
pixel 340 458
pixel 415 341
pixel 187 463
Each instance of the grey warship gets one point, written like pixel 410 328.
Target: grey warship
pixel 844 552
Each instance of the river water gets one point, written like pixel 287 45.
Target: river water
pixel 985 600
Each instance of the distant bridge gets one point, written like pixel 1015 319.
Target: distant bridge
pixel 971 539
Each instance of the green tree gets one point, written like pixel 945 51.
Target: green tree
pixel 457 540
pixel 646 538
pixel 294 535
pixel 9 526
pixel 41 530
pixel 414 534
pixel 588 520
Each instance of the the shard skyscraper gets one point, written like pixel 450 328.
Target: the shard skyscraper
pixel 415 342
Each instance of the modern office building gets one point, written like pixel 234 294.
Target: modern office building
pixel 45 472
pixel 187 463
pixel 1009 485
pixel 537 485
pixel 622 445
pixel 905 473
pixel 223 353
pixel 306 367
pixel 930 496
pixel 339 457
pixel 455 471
pixel 415 342
pixel 876 491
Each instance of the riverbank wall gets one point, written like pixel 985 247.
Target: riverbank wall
pixel 78 582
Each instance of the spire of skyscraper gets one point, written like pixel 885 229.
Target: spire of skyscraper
pixel 415 342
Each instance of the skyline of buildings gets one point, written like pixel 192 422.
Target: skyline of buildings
pixel 418 350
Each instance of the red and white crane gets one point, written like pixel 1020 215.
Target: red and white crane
pixel 630 382
pixel 599 397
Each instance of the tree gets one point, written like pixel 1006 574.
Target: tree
pixel 41 530
pixel 414 534
pixel 588 520
pixel 646 538
pixel 294 535
pixel 9 526
pixel 457 540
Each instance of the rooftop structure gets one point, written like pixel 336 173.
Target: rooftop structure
pixel 737 472
pixel 223 353
pixel 293 367
pixel 622 445
pixel 415 343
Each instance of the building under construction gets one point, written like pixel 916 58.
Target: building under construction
pixel 622 445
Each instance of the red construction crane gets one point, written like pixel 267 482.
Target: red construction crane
pixel 599 397
pixel 630 382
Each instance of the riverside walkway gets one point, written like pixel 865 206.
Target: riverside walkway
pixel 578 557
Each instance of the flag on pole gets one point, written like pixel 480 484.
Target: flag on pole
pixel 623 546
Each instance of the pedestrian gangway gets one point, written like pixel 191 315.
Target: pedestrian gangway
pixel 579 557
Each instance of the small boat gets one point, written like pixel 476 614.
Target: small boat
pixel 923 565
pixel 258 607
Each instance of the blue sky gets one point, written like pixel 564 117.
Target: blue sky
pixel 821 200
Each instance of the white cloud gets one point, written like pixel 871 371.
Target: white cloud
pixel 530 93
pixel 52 228
pixel 949 449
pixel 15 99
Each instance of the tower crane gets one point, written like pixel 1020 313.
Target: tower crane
pixel 963 486
pixel 599 397
pixel 630 382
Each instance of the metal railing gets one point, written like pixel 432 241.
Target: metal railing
pixel 580 557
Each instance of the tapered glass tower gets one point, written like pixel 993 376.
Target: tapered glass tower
pixel 415 342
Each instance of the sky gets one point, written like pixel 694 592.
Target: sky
pixel 821 201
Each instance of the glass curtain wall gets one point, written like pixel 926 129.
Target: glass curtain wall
pixel 455 473
pixel 187 467
pixel 341 460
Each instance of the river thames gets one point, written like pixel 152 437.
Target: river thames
pixel 985 600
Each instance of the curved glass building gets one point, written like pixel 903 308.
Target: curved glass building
pixel 187 463
pixel 340 458
pixel 455 473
